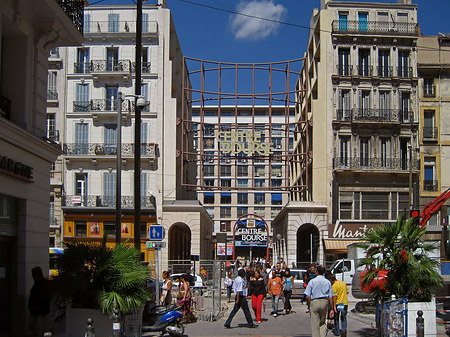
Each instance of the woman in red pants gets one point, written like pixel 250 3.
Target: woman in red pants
pixel 257 289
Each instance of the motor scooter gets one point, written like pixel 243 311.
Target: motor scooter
pixel 166 320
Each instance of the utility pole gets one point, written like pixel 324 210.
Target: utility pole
pixel 119 171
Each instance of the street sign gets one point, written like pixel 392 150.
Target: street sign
pixel 155 244
pixel 156 232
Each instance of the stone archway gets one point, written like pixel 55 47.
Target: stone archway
pixel 179 242
pixel 305 234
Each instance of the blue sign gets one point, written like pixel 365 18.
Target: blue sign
pixel 156 232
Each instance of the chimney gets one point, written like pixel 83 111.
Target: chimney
pixel 162 3
pixel 324 3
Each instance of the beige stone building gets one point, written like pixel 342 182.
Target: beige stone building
pixel 359 109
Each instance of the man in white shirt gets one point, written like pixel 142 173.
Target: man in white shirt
pixel 240 289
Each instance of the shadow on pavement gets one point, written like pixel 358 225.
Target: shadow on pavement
pixel 367 332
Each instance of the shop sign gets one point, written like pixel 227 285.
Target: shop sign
pixel 16 169
pixel 342 230
pixel 250 232
pixel 245 141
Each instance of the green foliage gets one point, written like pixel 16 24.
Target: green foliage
pixel 398 248
pixel 100 277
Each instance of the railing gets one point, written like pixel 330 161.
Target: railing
pixel 104 149
pixel 82 67
pixel 365 71
pixel 53 135
pixel 81 106
pixel 429 91
pixel 54 53
pixel 101 66
pixel 95 27
pixel 405 72
pixel 344 115
pixel 52 95
pixel 145 67
pixel 344 70
pixel 75 10
pixel 108 105
pixel 102 201
pixel 430 185
pixel 430 132
pixel 375 115
pixel 5 107
pixel 371 27
pixel 386 71
pixel 366 163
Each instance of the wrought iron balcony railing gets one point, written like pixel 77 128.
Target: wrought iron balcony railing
pixel 53 135
pixel 385 71
pixel 82 67
pixel 106 149
pixel 145 67
pixel 405 72
pixel 344 70
pixel 75 10
pixel 52 95
pixel 96 27
pixel 367 163
pixel 103 201
pixel 106 105
pixel 344 115
pixel 429 91
pixel 430 132
pixel 430 185
pixel 374 115
pixel 365 71
pixel 102 66
pixel 374 27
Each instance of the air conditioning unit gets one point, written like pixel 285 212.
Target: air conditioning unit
pixel 278 174
pixel 256 174
pixel 278 146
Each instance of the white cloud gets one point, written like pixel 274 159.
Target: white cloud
pixel 244 27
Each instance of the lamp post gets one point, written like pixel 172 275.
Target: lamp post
pixel 119 171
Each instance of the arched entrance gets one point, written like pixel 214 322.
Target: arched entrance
pixel 179 243
pixel 308 244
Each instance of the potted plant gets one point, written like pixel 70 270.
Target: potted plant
pixel 399 250
pixel 102 279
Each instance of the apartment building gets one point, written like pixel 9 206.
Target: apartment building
pixel 361 105
pixel 96 79
pixel 28 30
pixel 434 102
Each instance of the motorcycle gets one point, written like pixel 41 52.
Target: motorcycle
pixel 166 320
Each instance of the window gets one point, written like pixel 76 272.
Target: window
pixel 364 152
pixel 274 211
pixel 208 170
pixel 113 23
pixel 375 205
pixel 51 127
pixel 225 212
pixel 210 211
pixel 110 139
pixel 242 198
pixel 145 201
pixel 225 226
pixel 429 129
pixel 81 187
pixel 344 151
pixel 276 182
pixel 209 130
pixel 277 157
pixel 344 67
pixel 277 143
pixel 144 92
pixel 225 171
pixel 242 171
pixel 343 25
pixel 52 93
pixel 145 22
pixel 208 198
pixel 225 182
pixel 428 87
pixel 344 105
pixel 80 228
pixel 209 182
pixel 345 205
pixel 112 59
pixel 364 103
pixel 144 140
pixel 81 138
pixel 276 171
pixel 260 198
pixel 242 183
pixel 404 69
pixel 405 106
pixel 429 174
pixel 277 199
pixel 260 183
pixel 109 229
pixel 81 103
pixel 362 21
pixel 87 23
pixel 82 66
pixel 385 152
pixel 109 189
pixel 384 105
pixel 384 68
pixel 261 211
pixel 225 198
pixel 259 171
pixel 208 143
pixel 242 211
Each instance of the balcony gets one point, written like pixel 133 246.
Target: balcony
pixel 53 135
pixel 373 164
pixel 104 201
pixel 375 115
pixel 374 27
pixel 405 72
pixel 344 70
pixel 430 185
pixel 75 10
pixel 365 71
pixel 145 67
pixel 120 27
pixel 110 66
pixel 429 91
pixel 385 71
pixel 52 95
pixel 105 149
pixel 430 133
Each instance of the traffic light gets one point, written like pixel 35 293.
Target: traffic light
pixel 414 213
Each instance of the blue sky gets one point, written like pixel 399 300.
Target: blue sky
pixel 212 34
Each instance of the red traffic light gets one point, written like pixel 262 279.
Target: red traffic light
pixel 414 213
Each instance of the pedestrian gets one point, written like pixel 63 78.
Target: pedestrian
pixel 166 293
pixel 275 290
pixel 340 292
pixel 184 298
pixel 229 285
pixel 319 294
pixel 310 274
pixel 39 303
pixel 240 289
pixel 288 289
pixel 257 289
pixel 279 271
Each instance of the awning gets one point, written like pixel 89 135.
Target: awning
pixel 58 251
pixel 277 197
pixel 208 194
pixel 337 244
pixel 225 194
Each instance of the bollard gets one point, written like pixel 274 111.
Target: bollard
pixel 117 329
pixel 89 331
pixel 420 328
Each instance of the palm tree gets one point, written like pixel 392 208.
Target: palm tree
pixel 399 249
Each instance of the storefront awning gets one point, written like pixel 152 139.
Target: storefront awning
pixel 336 244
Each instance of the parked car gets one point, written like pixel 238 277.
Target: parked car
pixel 298 275
pixel 198 283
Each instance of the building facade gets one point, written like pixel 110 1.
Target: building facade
pixel 361 103
pixel 97 79
pixel 28 30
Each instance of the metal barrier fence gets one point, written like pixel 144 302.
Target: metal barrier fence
pixel 394 318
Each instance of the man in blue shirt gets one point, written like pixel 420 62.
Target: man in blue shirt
pixel 240 289
pixel 319 294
